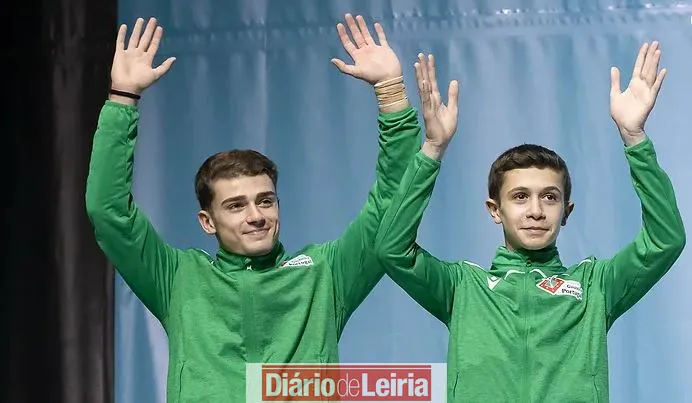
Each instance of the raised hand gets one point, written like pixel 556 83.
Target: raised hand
pixel 631 108
pixel 440 119
pixel 132 66
pixel 373 63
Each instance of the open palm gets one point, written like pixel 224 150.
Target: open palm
pixel 440 119
pixel 132 66
pixel 631 108
pixel 373 63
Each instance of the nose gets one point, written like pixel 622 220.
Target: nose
pixel 255 217
pixel 535 210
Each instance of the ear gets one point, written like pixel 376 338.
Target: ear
pixel 568 211
pixel 494 210
pixel 206 222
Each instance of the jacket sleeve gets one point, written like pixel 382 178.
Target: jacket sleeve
pixel 146 263
pixel 354 269
pixel 632 272
pixel 428 280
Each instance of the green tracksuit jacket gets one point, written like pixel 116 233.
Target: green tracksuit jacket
pixel 224 311
pixel 530 329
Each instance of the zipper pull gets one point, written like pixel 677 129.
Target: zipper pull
pixel 249 267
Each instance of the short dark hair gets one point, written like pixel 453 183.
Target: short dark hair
pixel 229 165
pixel 526 156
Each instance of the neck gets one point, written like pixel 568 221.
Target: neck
pixel 264 261
pixel 509 256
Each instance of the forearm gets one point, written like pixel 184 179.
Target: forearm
pixel 354 271
pixel 396 238
pixel 634 270
pixel 425 278
pixel 395 107
pixel 122 231
pixel 663 230
pixel 399 139
pixel 110 170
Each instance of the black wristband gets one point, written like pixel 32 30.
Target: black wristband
pixel 124 94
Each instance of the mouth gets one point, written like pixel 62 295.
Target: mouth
pixel 535 229
pixel 258 232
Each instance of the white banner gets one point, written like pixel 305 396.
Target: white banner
pixel 363 383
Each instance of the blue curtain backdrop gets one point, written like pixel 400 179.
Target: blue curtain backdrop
pixel 256 74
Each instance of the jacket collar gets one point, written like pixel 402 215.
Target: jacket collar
pixel 228 261
pixel 547 259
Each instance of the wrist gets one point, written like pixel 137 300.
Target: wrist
pixel 129 88
pixel 394 107
pixel 122 100
pixel 433 151
pixel 124 95
pixel 391 95
pixel 632 138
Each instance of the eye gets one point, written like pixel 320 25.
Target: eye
pixel 234 206
pixel 266 202
pixel 551 197
pixel 521 196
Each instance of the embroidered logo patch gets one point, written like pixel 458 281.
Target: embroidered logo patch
pixel 556 286
pixel 298 261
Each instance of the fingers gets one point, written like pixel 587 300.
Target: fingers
pixel 345 40
pixel 355 31
pixel 423 91
pixel 136 31
pixel 453 96
pixel 639 62
pixel 659 81
pixel 429 92
pixel 120 39
pixel 423 67
pixel 164 67
pixel 423 88
pixel 381 37
pixel 145 40
pixel 343 67
pixel 435 92
pixel 364 30
pixel 419 77
pixel 614 81
pixel 155 41
pixel 651 63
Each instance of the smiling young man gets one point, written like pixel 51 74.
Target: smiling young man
pixel 531 329
pixel 253 302
pixel 236 191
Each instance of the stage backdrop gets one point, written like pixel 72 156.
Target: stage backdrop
pixel 256 74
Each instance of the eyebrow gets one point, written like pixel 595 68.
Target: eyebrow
pixel 265 194
pixel 233 199
pixel 525 189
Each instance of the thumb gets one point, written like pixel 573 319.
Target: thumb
pixel 343 67
pixel 614 81
pixel 164 67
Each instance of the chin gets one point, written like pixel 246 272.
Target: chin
pixel 535 244
pixel 259 248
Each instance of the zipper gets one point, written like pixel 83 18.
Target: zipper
pixel 246 280
pixel 526 389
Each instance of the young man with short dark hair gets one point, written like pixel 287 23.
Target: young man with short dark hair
pixel 253 302
pixel 531 329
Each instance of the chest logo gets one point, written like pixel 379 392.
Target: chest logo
pixel 298 261
pixel 555 285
